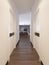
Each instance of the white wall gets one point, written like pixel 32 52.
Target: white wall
pixel 44 31
pixel 25 19
pixel 41 20
pixel 7 44
pixel 14 27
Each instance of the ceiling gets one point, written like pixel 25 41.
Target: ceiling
pixel 23 6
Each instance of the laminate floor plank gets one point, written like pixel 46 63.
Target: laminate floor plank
pixel 24 53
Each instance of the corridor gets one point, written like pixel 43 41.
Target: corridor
pixel 24 53
pixel 24 16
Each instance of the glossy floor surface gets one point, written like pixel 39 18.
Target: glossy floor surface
pixel 24 53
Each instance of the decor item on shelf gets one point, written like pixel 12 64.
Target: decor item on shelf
pixel 11 34
pixel 37 34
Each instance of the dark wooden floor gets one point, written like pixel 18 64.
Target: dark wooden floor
pixel 24 53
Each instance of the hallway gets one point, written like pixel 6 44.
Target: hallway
pixel 33 16
pixel 24 53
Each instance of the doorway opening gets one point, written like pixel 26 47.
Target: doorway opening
pixel 24 24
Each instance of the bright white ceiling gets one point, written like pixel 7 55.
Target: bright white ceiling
pixel 23 6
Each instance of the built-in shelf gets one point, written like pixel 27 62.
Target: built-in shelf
pixel 11 34
pixel 37 34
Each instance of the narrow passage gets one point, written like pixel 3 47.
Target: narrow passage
pixel 24 53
